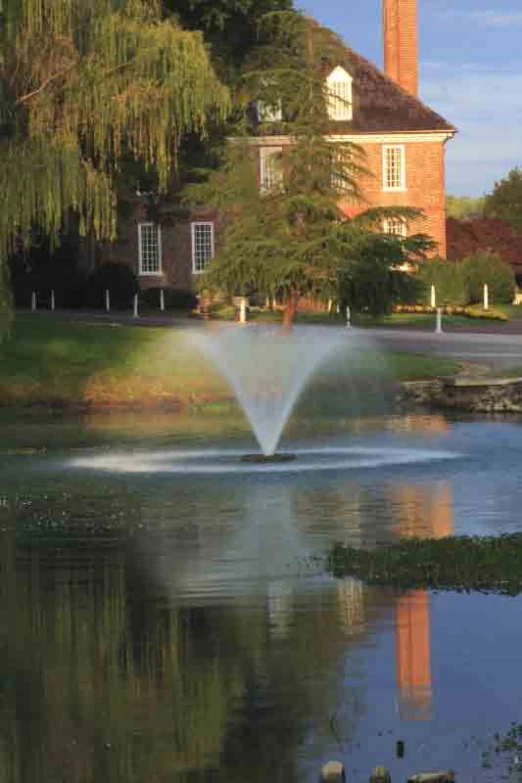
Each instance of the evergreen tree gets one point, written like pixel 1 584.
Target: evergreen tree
pixel 83 86
pixel 505 200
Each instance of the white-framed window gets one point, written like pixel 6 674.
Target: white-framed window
pixel 202 242
pixel 267 112
pixel 271 169
pixel 394 167
pixel 339 88
pixel 149 244
pixel 396 226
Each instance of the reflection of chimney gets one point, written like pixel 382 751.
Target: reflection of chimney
pixel 401 43
pixel 414 655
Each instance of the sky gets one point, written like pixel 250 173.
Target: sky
pixel 470 72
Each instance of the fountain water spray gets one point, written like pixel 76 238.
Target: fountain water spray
pixel 267 370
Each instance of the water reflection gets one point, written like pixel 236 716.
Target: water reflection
pixel 184 629
pixel 425 511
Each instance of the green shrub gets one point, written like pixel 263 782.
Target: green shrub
pixel 118 279
pixel 487 267
pixel 174 298
pixel 448 279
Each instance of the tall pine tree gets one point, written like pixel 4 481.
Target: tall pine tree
pixel 278 238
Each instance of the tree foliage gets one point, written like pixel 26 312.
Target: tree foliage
pixel 448 279
pixel 485 267
pixel 505 200
pixel 83 86
pixel 465 207
pixel 230 26
pixel 380 270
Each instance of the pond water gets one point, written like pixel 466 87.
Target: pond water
pixel 164 625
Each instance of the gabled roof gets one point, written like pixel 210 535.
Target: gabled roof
pixel 381 105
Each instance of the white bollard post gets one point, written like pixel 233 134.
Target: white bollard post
pixel 135 305
pixel 438 328
pixel 486 296
pixel 162 300
pixel 52 300
pixel 107 300
pixel 243 310
pixel 348 316
pixel 330 306
pixel 33 301
pixel 433 300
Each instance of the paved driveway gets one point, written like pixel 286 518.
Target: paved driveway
pixel 495 350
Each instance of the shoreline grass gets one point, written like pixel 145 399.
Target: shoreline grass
pixel 53 363
pixel 490 564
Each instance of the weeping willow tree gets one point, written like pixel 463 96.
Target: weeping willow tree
pixel 84 85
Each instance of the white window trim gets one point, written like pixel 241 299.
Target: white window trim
pixel 386 226
pixel 193 242
pixel 402 186
pixel 269 112
pixel 159 273
pixel 264 153
pixel 340 76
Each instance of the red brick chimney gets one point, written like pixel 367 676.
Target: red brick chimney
pixel 401 43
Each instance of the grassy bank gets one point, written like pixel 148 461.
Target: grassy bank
pixel 49 361
pixel 489 564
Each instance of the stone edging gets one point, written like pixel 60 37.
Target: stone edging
pixel 481 395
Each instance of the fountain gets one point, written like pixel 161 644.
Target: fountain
pixel 267 371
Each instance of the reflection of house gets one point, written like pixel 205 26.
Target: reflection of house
pixel 414 655
pixel 402 138
pixel 423 511
pixel 427 512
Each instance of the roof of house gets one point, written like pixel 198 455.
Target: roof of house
pixel 468 236
pixel 381 105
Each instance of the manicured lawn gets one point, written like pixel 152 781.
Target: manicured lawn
pixel 49 361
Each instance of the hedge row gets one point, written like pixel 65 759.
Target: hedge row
pixel 77 290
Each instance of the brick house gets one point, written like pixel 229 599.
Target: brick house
pixel 402 138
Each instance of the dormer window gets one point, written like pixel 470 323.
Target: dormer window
pixel 340 95
pixel 269 112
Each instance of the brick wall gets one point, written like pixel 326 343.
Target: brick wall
pixel 401 47
pixel 425 187
pixel 425 190
pixel 176 250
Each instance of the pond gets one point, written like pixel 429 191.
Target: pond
pixel 169 625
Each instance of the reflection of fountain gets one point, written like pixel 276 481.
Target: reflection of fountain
pixel 268 370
